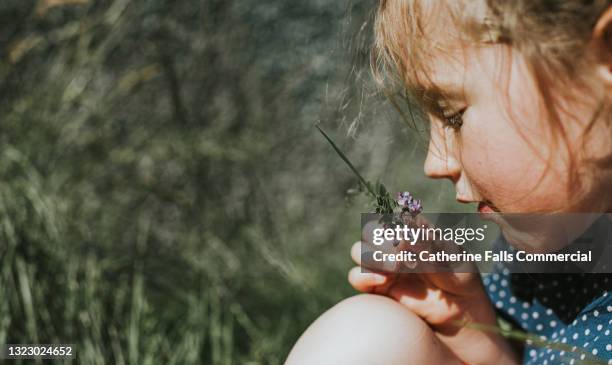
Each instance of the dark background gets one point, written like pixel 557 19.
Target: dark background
pixel 164 195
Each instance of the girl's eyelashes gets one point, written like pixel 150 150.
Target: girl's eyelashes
pixel 453 120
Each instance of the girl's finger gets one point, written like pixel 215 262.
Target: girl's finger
pixel 365 281
pixel 356 252
pixel 456 283
pixel 365 258
pixel 368 230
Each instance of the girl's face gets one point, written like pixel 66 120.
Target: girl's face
pixel 504 155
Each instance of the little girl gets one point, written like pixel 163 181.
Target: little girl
pixel 519 98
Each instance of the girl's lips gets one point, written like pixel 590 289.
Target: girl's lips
pixel 486 208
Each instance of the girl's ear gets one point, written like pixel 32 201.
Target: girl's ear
pixel 602 43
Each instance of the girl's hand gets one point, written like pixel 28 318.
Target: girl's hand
pixel 438 298
pixel 449 302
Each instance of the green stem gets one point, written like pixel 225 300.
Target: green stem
pixel 348 162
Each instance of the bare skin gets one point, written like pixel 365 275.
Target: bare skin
pixel 370 329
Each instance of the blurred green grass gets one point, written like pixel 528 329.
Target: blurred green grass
pixel 164 195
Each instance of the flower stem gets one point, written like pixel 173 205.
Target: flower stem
pixel 348 162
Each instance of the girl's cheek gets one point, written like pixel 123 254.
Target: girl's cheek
pixel 500 163
pixel 505 143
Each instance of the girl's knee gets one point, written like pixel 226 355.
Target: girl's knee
pixel 365 329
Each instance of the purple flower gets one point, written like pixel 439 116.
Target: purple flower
pixel 415 207
pixel 404 199
pixel 409 204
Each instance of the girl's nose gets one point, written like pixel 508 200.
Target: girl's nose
pixel 441 162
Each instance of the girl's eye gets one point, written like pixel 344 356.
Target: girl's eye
pixel 455 120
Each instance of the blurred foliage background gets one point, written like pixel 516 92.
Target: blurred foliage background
pixel 164 196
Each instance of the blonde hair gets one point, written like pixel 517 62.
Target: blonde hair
pixel 551 35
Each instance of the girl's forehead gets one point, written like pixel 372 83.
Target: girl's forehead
pixel 443 72
pixel 427 41
pixel 457 73
pixel 438 48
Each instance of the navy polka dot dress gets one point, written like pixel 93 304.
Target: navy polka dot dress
pixel 568 315
pixel 571 314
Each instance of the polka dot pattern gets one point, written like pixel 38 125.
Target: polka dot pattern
pixel 574 329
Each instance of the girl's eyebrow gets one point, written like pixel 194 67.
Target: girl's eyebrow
pixel 441 92
pixel 436 97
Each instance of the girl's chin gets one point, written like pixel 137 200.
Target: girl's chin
pixel 543 233
pixel 520 242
